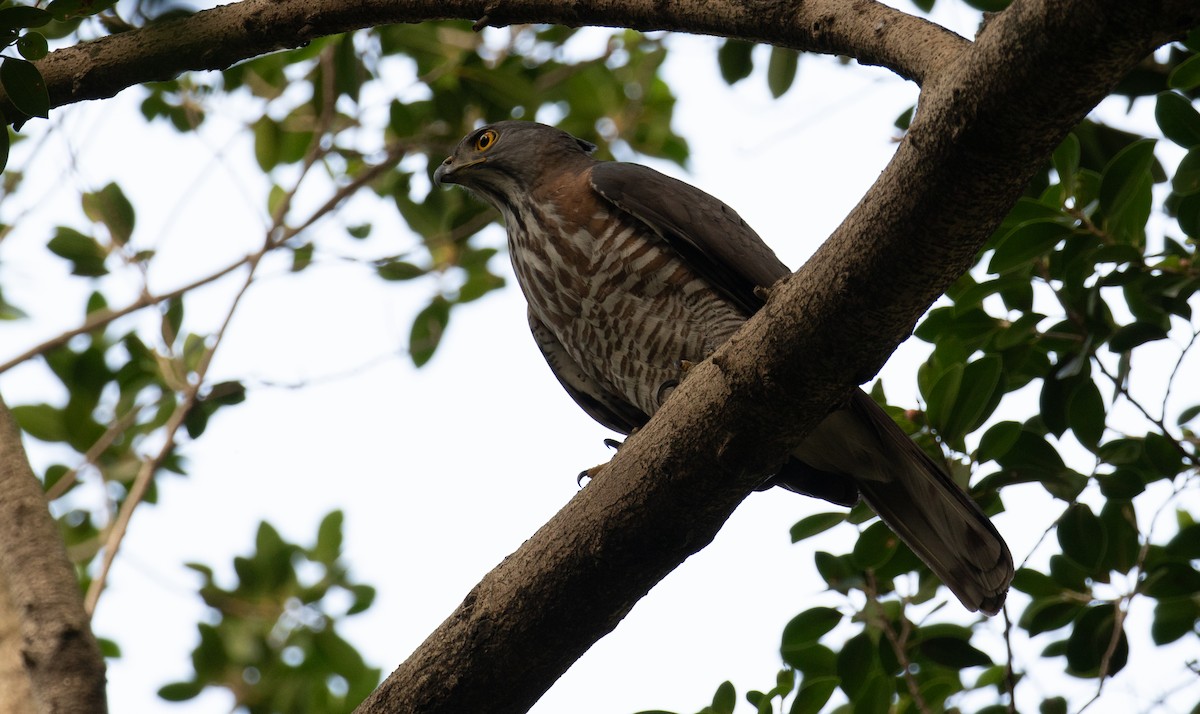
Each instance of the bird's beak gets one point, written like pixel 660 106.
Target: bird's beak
pixel 445 173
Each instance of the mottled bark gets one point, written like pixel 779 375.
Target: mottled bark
pixel 214 39
pixel 989 117
pixel 49 660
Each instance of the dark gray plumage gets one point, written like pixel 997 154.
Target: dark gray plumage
pixel 628 273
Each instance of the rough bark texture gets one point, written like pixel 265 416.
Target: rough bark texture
pixel 217 38
pixel 987 122
pixel 990 114
pixel 62 666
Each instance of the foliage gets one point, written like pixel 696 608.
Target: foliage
pixel 132 386
pixel 1083 280
pixel 273 640
pixel 1092 272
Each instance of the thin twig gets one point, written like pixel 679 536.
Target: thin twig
pixel 114 430
pixel 101 318
pixel 145 474
pixel 1156 421
pixel 898 641
pixel 1010 676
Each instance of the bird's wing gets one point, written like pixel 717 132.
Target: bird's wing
pixel 711 236
pixel 600 404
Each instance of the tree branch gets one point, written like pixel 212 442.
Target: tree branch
pixel 987 123
pixel 62 662
pixel 214 39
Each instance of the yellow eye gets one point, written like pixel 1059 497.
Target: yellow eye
pixel 484 141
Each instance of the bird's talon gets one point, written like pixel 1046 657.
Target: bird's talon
pixel 589 474
pixel 612 444
pixel 665 389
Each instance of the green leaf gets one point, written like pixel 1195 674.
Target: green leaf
pixel 735 58
pixel 180 691
pixel 1188 414
pixel 1185 545
pixel 1048 615
pixel 1091 639
pixel 392 269
pixel 1178 119
pixel 1082 537
pixel 1173 619
pixel 1137 333
pixel 954 653
pixel 875 696
pixel 22 16
pixel 998 440
pixel 110 207
pixel 781 70
pixel 302 257
pixel 1053 705
pixel 1186 74
pixel 1086 413
pixel 427 329
pixel 1125 191
pixel 817 523
pixel 85 254
pixel 364 596
pixel 875 546
pixel 979 391
pixel 33 46
pixel 939 401
pixel 813 693
pixel 857 664
pixel 25 87
pixel 1066 161
pixel 1120 524
pixel 809 626
pixel 1186 180
pixel 836 571
pixel 1026 242
pixel 1035 583
pixel 329 538
pixel 724 699
pixel 267 140
pixel 41 421
pixel 813 660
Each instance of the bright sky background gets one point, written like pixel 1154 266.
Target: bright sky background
pixel 444 471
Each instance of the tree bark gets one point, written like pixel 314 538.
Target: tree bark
pixel 990 114
pixel 988 120
pixel 62 670
pixel 215 39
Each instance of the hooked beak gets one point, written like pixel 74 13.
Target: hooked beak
pixel 445 172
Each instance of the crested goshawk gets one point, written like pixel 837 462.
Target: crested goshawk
pixel 629 274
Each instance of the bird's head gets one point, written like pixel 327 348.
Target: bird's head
pixel 508 157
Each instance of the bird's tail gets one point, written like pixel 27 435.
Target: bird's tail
pixel 916 498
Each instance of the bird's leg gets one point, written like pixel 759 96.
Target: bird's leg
pixel 594 471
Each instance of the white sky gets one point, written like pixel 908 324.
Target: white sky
pixel 444 471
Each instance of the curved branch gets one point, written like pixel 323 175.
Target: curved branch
pixel 987 123
pixel 62 662
pixel 214 39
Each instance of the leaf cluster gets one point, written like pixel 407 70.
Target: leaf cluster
pixel 272 640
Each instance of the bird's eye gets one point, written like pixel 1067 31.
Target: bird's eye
pixel 484 141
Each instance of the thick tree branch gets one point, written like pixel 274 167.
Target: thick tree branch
pixel 215 39
pixel 987 123
pixel 62 662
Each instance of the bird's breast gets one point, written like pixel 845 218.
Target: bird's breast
pixel 624 305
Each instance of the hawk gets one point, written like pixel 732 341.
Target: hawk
pixel 630 275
